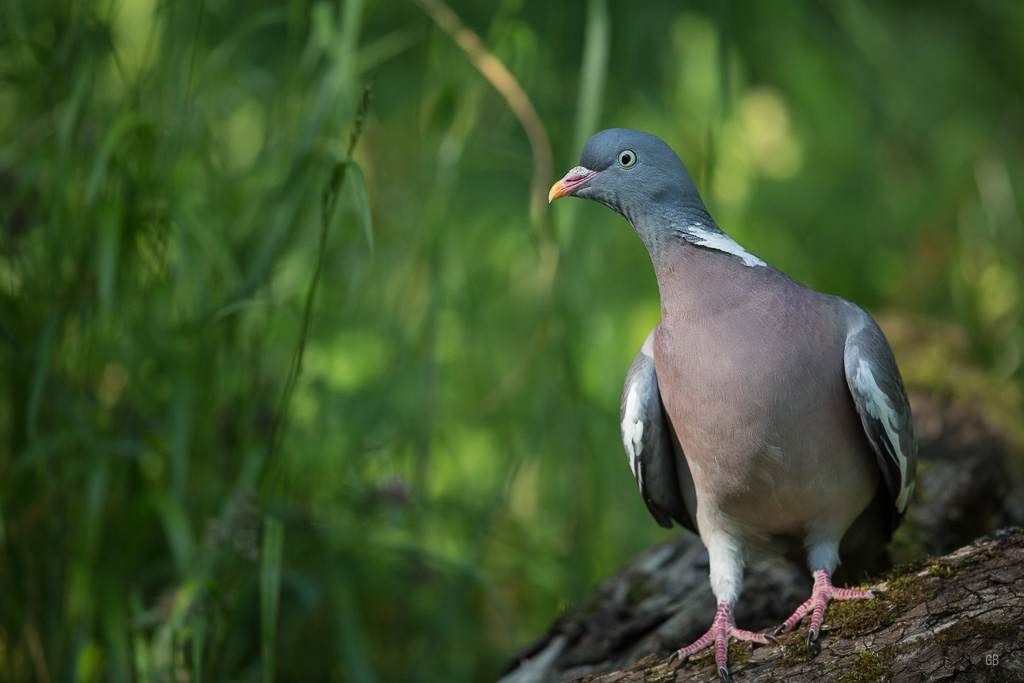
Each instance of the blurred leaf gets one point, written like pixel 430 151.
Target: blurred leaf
pixel 101 163
pixel 361 200
pixel 176 529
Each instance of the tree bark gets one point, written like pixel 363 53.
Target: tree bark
pixel 959 617
pixel 956 616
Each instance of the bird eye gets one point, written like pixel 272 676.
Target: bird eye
pixel 627 158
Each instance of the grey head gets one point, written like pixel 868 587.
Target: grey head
pixel 639 176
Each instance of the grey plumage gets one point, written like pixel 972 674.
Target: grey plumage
pixel 758 410
pixel 881 401
pixel 653 451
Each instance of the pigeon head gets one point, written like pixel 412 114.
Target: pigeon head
pixel 635 174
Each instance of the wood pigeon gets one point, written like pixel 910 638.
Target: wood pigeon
pixel 758 412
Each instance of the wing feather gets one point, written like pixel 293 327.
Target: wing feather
pixel 881 400
pixel 654 455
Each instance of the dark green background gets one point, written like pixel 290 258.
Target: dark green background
pixel 445 473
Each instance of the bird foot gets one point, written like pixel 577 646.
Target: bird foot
pixel 822 594
pixel 718 635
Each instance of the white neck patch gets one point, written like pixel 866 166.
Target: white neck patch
pixel 719 241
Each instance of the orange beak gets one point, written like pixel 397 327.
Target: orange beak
pixel 572 181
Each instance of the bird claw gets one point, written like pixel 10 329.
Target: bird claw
pixel 878 593
pixel 771 637
pixel 781 628
pixel 724 673
pixel 812 635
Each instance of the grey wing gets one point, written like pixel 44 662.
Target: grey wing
pixel 881 400
pixel 653 451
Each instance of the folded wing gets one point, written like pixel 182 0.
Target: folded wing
pixel 881 400
pixel 653 452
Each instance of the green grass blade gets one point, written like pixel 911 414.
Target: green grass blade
pixel 270 592
pixel 199 627
pixel 40 373
pixel 172 516
pixel 594 70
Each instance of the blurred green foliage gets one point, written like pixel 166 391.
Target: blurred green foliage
pixel 221 460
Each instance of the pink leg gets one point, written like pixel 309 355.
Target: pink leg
pixel 823 593
pixel 722 627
